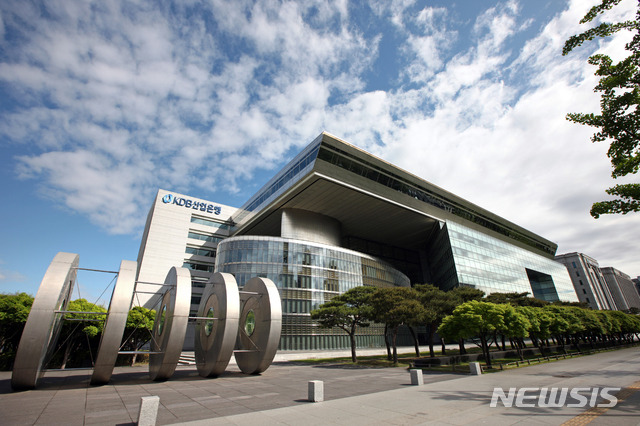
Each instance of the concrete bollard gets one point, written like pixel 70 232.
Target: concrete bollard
pixel 475 369
pixel 316 391
pixel 416 377
pixel 148 410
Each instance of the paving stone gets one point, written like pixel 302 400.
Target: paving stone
pixel 278 396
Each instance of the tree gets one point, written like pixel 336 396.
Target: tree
pixel 347 311
pixel 465 294
pixel 394 307
pixel 516 326
pixel 607 325
pixel 564 323
pixel 475 319
pixel 539 322
pixel 515 299
pixel 437 304
pixel 592 327
pixel 14 311
pixel 625 325
pixel 137 332
pixel 619 120
pixel 80 331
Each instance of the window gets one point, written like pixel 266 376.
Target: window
pixel 213 223
pixel 204 237
pixel 198 266
pixel 198 284
pixel 580 281
pixel 293 170
pixel 201 251
pixel 574 264
pixel 584 291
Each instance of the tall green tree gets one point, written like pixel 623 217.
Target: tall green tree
pixel 347 311
pixel 14 311
pixel 619 120
pixel 607 326
pixel 437 304
pixel 591 325
pixel 394 307
pixel 515 299
pixel 516 327
pixel 539 323
pixel 625 325
pixel 464 294
pixel 475 319
pixel 138 328
pixel 79 333
pixel 564 324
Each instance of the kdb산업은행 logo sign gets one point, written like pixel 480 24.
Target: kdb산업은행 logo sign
pixel 190 204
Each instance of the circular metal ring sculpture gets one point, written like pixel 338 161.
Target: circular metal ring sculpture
pixel 260 325
pixel 43 325
pixel 215 338
pixel 115 323
pixel 170 325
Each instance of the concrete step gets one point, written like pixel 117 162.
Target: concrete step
pixel 187 358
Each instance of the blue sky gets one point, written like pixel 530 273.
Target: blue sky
pixel 104 102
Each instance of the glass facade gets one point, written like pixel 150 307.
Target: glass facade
pixel 493 265
pixel 298 167
pixel 307 275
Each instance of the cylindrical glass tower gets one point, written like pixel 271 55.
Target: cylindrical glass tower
pixel 307 275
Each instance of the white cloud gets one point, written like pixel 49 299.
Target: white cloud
pixel 517 155
pixel 115 100
pixel 124 98
pixel 8 276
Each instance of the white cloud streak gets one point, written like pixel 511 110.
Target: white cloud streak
pixel 111 101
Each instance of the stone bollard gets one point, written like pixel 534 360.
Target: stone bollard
pixel 148 410
pixel 316 391
pixel 416 377
pixel 475 369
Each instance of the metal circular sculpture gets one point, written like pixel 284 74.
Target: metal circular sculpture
pixel 260 326
pixel 215 338
pixel 115 323
pixel 43 325
pixel 170 325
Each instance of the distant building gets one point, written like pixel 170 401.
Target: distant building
pixel 622 289
pixel 337 217
pixel 588 280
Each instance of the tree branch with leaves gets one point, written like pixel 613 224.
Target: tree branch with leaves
pixel 619 120
pixel 348 311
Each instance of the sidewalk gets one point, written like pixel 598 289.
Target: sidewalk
pixel 466 400
pixel 352 395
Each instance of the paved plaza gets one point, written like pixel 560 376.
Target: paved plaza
pixel 352 395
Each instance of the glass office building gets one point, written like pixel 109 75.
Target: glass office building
pixel 307 275
pixel 336 217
